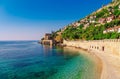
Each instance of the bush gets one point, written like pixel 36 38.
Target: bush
pixel 117 12
pixel 102 13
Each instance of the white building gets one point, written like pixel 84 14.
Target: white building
pixel 119 7
pixel 114 29
pixel 110 18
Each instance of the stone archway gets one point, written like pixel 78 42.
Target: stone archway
pixel 103 48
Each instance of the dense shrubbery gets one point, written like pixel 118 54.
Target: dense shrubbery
pixel 102 13
pixel 91 33
pixel 112 24
pixel 117 12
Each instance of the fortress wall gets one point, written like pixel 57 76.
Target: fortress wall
pixel 111 46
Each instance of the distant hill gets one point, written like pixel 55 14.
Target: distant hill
pixel 101 24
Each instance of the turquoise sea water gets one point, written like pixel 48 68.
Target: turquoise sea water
pixel 30 60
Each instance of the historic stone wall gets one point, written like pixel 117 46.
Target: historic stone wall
pixel 111 46
pixel 47 42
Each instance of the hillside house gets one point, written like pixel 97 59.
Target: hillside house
pixel 114 29
pixel 102 20
pixel 92 21
pixel 119 17
pixel 117 29
pixel 63 28
pixel 86 25
pixel 76 24
pixel 83 21
pixel 111 18
pixel 92 17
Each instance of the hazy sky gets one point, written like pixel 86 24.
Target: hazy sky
pixel 30 19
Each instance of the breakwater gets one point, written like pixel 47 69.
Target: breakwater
pixel 111 46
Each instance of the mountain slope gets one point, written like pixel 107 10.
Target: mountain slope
pixel 97 25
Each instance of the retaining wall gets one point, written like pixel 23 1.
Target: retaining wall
pixel 111 46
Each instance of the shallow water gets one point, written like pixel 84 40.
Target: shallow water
pixel 30 60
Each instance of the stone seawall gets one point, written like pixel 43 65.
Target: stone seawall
pixel 47 42
pixel 111 46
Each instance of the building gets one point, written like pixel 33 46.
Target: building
pixel 86 25
pixel 117 29
pixel 102 20
pixel 47 40
pixel 62 30
pixel 108 30
pixel 76 24
pixel 114 29
pixel 92 21
pixel 119 17
pixel 48 36
pixel 83 21
pixel 92 17
pixel 110 18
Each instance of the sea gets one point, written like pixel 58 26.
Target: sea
pixel 31 60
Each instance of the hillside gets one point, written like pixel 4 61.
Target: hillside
pixel 101 24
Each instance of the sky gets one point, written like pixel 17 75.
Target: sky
pixel 31 19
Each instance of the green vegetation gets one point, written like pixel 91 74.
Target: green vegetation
pixel 117 12
pixel 112 35
pixel 112 24
pixel 54 34
pixel 94 30
pixel 102 13
pixel 91 33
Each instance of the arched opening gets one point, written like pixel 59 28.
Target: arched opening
pixel 97 47
pixel 103 48
pixel 92 46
